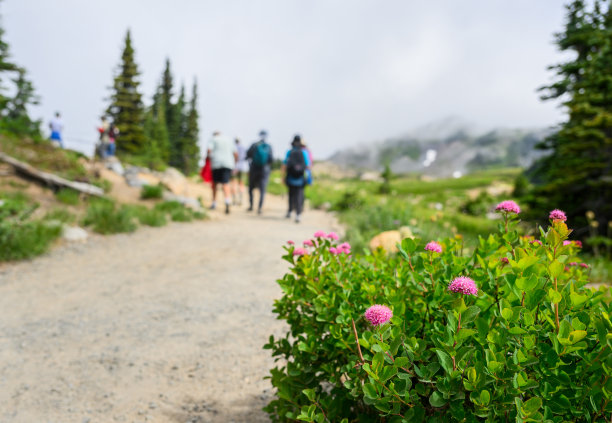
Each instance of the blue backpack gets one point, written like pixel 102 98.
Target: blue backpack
pixel 261 156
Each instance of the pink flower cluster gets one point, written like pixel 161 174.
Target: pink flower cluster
pixel 574 243
pixel 433 246
pixel 505 260
pixel 378 314
pixel 308 243
pixel 344 248
pixel 300 252
pixel 320 234
pixel 508 206
pixel 536 242
pixel 290 242
pixel 557 214
pixel 333 235
pixel 463 285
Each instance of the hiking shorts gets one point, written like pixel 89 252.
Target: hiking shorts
pixel 221 175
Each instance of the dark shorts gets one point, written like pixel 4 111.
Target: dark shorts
pixel 221 175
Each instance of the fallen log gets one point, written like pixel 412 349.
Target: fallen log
pixel 51 179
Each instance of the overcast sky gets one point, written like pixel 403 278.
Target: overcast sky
pixel 340 72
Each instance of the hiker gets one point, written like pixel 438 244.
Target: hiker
pixel 294 168
pixel 56 126
pixel 260 159
pixel 223 157
pixel 309 168
pixel 113 133
pixel 241 169
pixel 103 129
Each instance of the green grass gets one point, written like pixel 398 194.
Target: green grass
pixel 105 217
pixel 68 196
pixel 149 192
pixel 178 212
pixel 149 217
pixel 60 215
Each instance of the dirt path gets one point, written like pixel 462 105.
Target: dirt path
pixel 163 325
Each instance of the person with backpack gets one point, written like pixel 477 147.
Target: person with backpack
pixel 223 156
pixel 295 166
pixel 260 161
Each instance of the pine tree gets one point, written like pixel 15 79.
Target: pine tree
pixel 166 94
pixel 157 134
pixel 191 148
pixel 177 132
pixel 576 177
pixel 126 108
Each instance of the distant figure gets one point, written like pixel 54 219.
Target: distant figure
pixel 260 159
pixel 57 126
pixel 104 130
pixel 223 156
pixel 294 168
pixel 309 168
pixel 241 169
pixel 113 133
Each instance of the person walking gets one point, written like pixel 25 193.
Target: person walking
pixel 223 157
pixel 260 159
pixel 104 141
pixel 294 169
pixel 57 126
pixel 241 169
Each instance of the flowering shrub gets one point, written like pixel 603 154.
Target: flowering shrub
pixel 508 332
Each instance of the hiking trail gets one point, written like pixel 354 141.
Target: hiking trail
pixel 161 325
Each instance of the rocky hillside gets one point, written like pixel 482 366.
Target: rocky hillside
pixel 446 148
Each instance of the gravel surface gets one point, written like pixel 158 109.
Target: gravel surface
pixel 162 325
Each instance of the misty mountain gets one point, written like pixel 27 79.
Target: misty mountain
pixel 445 148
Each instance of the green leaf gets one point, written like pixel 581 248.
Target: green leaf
pixel 532 405
pixel 369 390
pixel 525 262
pixel 436 399
pixel 555 268
pixel 554 296
pixel 564 330
pixel 445 361
pixel 577 299
pixel 507 314
pixel 577 335
pixel 470 314
pixel 387 373
pixel 516 330
pixel 377 362
pixel 527 284
pixel 310 393
pixel 485 397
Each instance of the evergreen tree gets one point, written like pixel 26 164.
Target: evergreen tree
pixel 166 94
pixel 576 176
pixel 191 147
pixel 157 134
pixel 126 108
pixel 177 132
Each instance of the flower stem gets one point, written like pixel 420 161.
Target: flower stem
pixel 357 342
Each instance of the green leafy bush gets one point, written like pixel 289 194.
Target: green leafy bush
pixel 106 218
pixel 178 212
pixel 534 343
pixel 149 217
pixel 151 192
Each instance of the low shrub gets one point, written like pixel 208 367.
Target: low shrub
pixel 149 192
pixel 60 215
pixel 509 332
pixel 67 196
pixel 178 212
pixel 23 240
pixel 149 217
pixel 106 218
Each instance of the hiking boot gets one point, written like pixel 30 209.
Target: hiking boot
pixel 297 218
pixel 258 211
pixel 288 215
pixel 250 208
pixel 226 208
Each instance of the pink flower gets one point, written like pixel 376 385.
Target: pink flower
pixel 557 214
pixel 433 246
pixel 308 243
pixel 567 242
pixel 333 235
pixel 578 243
pixel 319 234
pixel 378 315
pixel 586 266
pixel 334 250
pixel 463 285
pixel 505 260
pixel 508 206
pixel 299 252
pixel 290 242
pixel 345 247
pixel 536 241
pixel 573 263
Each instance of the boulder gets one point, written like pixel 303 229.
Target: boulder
pixel 388 240
pixel 74 233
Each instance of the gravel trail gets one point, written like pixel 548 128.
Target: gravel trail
pixel 162 325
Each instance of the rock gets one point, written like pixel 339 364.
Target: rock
pixel 113 163
pixel 74 233
pixel 174 180
pixel 388 239
pixel 192 203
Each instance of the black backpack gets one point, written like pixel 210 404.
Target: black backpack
pixel 296 165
